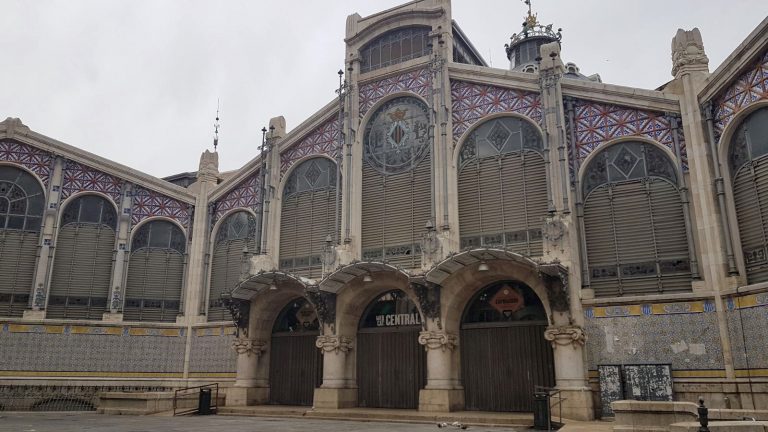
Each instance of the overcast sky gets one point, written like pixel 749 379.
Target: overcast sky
pixel 137 81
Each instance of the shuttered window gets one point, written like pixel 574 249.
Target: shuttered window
pixel 82 262
pixel 155 273
pixel 634 223
pixel 502 187
pixel 748 160
pixel 308 216
pixel 22 202
pixel 396 182
pixel 235 239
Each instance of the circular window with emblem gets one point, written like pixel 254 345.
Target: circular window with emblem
pixel 397 136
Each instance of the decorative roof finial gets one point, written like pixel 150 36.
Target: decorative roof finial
pixel 530 20
pixel 216 127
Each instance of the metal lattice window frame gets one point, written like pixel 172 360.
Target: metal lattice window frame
pixel 395 46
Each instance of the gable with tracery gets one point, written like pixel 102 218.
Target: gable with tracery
pixel 418 81
pixel 750 87
pixel 148 203
pixel 247 194
pixel 36 160
pixel 323 140
pixel 82 178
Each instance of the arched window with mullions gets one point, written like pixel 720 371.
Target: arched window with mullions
pixel 82 262
pixel 395 46
pixel 502 187
pixel 22 202
pixel 635 228
pixel 155 273
pixel 748 163
pixel 236 236
pixel 308 216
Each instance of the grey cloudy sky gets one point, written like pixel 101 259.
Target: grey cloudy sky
pixel 137 81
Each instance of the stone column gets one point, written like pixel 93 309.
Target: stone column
pixel 39 293
pixel 195 282
pixel 116 297
pixel 252 384
pixel 442 393
pixel 337 390
pixel 568 346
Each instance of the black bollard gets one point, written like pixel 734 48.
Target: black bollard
pixel 703 416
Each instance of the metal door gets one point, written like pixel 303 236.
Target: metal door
pixel 295 369
pixel 391 368
pixel 502 363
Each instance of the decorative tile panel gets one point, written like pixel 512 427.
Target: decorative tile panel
pixel 747 317
pixel 38 161
pixel 212 351
pixel 321 141
pixel 418 81
pixel 471 102
pixel 597 123
pixel 148 203
pixel 82 178
pixel 247 194
pixel 750 87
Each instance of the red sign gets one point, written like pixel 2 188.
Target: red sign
pixel 507 301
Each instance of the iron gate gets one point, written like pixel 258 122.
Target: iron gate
pixel 295 369
pixel 502 363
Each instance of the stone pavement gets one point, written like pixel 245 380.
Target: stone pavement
pixel 92 422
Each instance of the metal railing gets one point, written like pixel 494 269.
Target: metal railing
pixel 187 400
pixel 59 398
pixel 553 393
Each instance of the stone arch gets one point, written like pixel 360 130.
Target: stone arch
pixel 456 153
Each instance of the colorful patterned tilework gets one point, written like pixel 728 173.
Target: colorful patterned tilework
pixel 418 81
pixel 598 123
pixel 748 88
pixel 36 160
pixel 148 203
pixel 650 309
pixel 82 178
pixel 245 195
pixel 471 102
pixel 324 140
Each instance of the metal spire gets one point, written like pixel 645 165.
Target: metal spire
pixel 216 127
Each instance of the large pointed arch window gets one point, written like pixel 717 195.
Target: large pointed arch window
pixel 308 216
pixel 235 240
pixel 503 187
pixel 634 224
pixel 396 182
pixel 82 263
pixel 155 273
pixel 22 202
pixel 748 163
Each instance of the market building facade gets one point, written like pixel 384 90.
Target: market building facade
pixel 441 236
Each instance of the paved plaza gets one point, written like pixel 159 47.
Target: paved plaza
pixel 91 422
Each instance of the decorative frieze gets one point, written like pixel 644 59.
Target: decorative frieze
pixel 36 160
pixel 749 87
pixel 433 340
pixel 247 194
pixel 249 347
pixel 334 344
pixel 82 178
pixel 565 336
pixel 418 81
pixel 148 203
pixel 323 140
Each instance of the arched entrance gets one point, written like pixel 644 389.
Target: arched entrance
pixel 391 365
pixel 296 366
pixel 503 351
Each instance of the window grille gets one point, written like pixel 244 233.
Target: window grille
pixel 22 202
pixel 82 262
pixel 393 47
pixel 308 216
pixel 748 163
pixel 236 234
pixel 502 187
pixel 155 273
pixel 634 224
pixel 396 182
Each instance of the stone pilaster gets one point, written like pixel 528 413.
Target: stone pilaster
pixel 568 345
pixel 119 274
pixel 252 384
pixel 39 293
pixel 442 392
pixel 337 390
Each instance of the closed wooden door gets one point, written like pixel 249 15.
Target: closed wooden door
pixel 391 368
pixel 502 364
pixel 296 369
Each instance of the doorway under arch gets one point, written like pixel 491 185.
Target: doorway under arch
pixel 296 365
pixel 504 355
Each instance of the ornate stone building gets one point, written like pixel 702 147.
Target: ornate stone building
pixel 441 236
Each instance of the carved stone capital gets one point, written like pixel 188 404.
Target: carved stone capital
pixel 565 335
pixel 688 52
pixel 334 344
pixel 250 347
pixel 433 340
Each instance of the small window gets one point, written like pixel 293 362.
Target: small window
pixel 395 47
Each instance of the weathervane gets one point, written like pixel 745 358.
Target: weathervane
pixel 216 127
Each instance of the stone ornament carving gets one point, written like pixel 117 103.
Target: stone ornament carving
pixel 249 347
pixel 688 51
pixel 428 295
pixel 553 229
pixel 433 340
pixel 334 344
pixel 209 166
pixel 325 305
pixel 14 125
pixel 565 336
